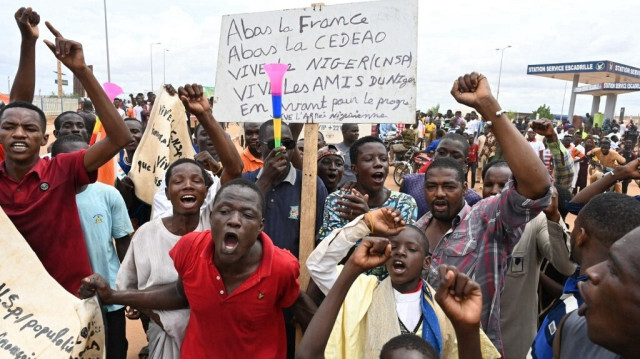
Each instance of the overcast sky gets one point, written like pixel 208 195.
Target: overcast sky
pixel 455 37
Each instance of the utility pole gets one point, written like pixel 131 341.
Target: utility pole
pixel 500 73
pixel 151 57
pixel 164 66
pixel 60 93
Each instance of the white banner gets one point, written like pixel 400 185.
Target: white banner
pixel 347 63
pixel 165 140
pixel 39 318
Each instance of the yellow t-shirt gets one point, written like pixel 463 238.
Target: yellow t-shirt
pixel 429 128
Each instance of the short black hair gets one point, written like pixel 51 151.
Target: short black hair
pixel 494 163
pixel 208 181
pixel 353 150
pixel 609 216
pixel 409 342
pixel 459 138
pixel 87 105
pixel 89 121
pixel 57 123
pixel 265 126
pixel 440 133
pixel 447 162
pixel 244 124
pixel 421 235
pixel 243 183
pixel 28 106
pixel 58 146
pixel 346 126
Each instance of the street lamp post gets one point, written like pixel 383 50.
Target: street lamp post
pixel 164 66
pixel 500 73
pixel 151 56
pixel 106 34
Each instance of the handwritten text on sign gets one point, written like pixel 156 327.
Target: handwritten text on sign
pixel 38 318
pixel 165 141
pixel 347 63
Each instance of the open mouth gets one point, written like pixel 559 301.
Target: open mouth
pixel 440 205
pixel 378 177
pixel 230 242
pixel 332 177
pixel 188 199
pixel 19 147
pixel 398 267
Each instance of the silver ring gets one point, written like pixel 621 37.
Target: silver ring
pixel 351 213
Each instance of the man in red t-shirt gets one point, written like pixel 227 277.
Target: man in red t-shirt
pixel 38 195
pixel 233 278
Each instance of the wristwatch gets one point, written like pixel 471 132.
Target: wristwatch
pixel 608 173
pixel 500 113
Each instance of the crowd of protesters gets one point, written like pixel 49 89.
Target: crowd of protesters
pixel 434 270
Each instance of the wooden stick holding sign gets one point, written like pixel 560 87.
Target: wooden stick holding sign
pixel 308 199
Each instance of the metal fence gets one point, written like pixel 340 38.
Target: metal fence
pixel 53 106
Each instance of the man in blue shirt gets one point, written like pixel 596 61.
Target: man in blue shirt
pixel 385 128
pixel 104 217
pixel 281 184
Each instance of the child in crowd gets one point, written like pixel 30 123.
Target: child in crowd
pixel 364 323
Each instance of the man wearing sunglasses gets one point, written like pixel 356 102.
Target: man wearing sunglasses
pixel 281 185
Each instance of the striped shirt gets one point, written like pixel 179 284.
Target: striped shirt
pixel 562 164
pixel 479 244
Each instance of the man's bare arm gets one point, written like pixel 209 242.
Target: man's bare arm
pixel 24 83
pixel 192 97
pixel 167 297
pixel 532 178
pixel 629 171
pixel 70 53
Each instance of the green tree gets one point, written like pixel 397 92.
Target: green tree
pixel 544 111
pixel 434 109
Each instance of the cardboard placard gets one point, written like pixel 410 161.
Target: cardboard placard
pixel 347 63
pixel 165 140
pixel 38 317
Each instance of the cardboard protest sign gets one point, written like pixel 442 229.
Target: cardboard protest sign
pixel 347 63
pixel 165 140
pixel 39 318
